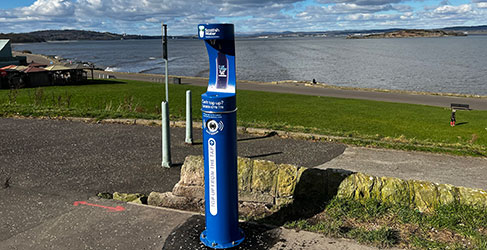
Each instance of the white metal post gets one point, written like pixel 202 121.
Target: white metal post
pixel 167 88
pixel 165 57
pixel 166 142
pixel 189 119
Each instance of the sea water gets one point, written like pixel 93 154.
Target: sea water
pixel 447 64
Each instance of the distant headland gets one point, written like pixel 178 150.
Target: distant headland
pixel 408 34
pixel 65 35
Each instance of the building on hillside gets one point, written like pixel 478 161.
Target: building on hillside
pixel 6 57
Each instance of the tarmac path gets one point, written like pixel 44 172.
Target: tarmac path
pixel 438 168
pixel 49 166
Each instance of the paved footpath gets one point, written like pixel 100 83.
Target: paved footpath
pixel 55 168
pixel 438 168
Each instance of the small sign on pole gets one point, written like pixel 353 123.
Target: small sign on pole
pixel 164 41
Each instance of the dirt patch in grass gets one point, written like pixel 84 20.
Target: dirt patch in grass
pixel 382 225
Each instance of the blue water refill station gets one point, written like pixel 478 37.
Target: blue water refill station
pixel 220 139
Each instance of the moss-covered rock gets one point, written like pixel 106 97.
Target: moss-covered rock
pixel 244 174
pixel 126 197
pixel 364 185
pixel 286 180
pixel 347 188
pixel 447 194
pixel 394 191
pixel 264 176
pixel 105 195
pixel 265 182
pixel 472 197
pixel 425 195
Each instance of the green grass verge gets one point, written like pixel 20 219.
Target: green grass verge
pixel 360 122
pixel 451 226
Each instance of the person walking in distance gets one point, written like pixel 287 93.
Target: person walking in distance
pixel 453 119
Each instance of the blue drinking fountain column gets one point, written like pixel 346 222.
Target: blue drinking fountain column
pixel 220 139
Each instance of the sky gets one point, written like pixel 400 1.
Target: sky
pixel 249 16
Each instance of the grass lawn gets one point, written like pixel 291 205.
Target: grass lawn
pixel 451 226
pixel 360 122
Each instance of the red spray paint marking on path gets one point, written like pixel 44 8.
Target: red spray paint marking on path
pixel 115 209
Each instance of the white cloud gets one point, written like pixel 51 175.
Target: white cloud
pixel 362 2
pixel 48 8
pixel 352 7
pixel 144 16
pixel 368 17
pixel 482 5
pixel 402 7
pixel 449 9
pixel 407 16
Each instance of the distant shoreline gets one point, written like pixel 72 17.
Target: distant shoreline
pixel 83 35
pixel 409 34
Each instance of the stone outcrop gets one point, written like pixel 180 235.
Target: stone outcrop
pixel 261 185
pixel 422 195
pixel 265 186
pixel 126 197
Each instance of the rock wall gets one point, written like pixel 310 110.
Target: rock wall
pixel 274 185
pixel 259 181
pixel 422 195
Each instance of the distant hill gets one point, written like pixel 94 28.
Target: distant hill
pixel 63 35
pixel 21 38
pixel 471 30
pixel 409 34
